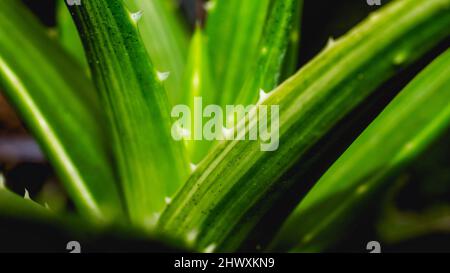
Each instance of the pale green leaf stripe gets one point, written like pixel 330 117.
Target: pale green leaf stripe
pixel 234 29
pixel 58 104
pixel 233 188
pixel 290 64
pixel 198 84
pixel 272 51
pixel 151 164
pixel 166 39
pixel 414 119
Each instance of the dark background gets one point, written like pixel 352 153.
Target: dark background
pixel 429 179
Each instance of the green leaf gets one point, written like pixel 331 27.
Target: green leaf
pixel 396 225
pixel 235 185
pixel 28 226
pixel 198 84
pixel 273 48
pixel 413 120
pixel 12 204
pixel 57 102
pixel 266 71
pixel 151 164
pixel 427 179
pixel 68 34
pixel 234 29
pixel 290 64
pixel 166 39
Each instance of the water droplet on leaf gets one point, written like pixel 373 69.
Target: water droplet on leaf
pixel 400 58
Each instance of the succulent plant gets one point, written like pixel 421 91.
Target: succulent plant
pixel 99 99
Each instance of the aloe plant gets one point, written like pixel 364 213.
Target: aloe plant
pixel 100 107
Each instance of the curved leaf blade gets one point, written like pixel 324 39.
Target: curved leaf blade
pixel 272 51
pixel 235 185
pixel 166 40
pixel 198 84
pixel 413 120
pixel 234 29
pixel 290 64
pixel 58 103
pixel 151 164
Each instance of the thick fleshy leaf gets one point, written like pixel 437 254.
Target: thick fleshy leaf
pixel 151 164
pixel 414 119
pixel 234 29
pixel 166 39
pixel 26 226
pixel 290 64
pixel 198 85
pixel 266 74
pixel 58 103
pixel 236 184
pixel 12 204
